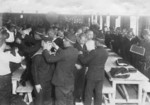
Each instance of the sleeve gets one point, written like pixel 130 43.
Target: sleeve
pixel 12 58
pixel 53 58
pixel 31 49
pixel 85 59
pixel 35 66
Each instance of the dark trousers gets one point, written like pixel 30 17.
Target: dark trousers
pixel 79 84
pixel 44 96
pixel 5 89
pixel 64 95
pixel 93 88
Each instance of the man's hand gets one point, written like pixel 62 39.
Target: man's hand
pixel 80 52
pixel 55 46
pixel 78 66
pixel 38 88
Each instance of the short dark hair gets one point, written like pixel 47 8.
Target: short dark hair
pixel 4 33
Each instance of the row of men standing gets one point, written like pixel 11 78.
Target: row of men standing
pixel 121 42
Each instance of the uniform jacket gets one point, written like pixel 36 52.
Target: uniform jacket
pixel 64 72
pixel 95 62
pixel 42 71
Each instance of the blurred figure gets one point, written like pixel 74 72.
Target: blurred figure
pixel 95 62
pixel 63 78
pixel 123 35
pixel 57 40
pixel 5 72
pixel 116 40
pixel 145 42
pixel 90 35
pixel 42 73
pixel 80 74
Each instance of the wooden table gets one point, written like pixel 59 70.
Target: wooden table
pixel 135 78
pixel 16 77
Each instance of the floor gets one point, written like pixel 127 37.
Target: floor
pixel 132 93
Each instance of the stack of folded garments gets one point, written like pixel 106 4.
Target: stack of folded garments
pixel 121 62
pixel 132 70
pixel 119 72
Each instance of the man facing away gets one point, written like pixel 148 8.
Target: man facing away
pixel 95 62
pixel 63 77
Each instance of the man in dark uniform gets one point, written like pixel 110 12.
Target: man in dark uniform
pixel 42 73
pixel 145 42
pixel 63 77
pixel 129 40
pixel 80 74
pixel 95 62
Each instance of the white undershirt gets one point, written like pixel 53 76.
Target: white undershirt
pixel 5 58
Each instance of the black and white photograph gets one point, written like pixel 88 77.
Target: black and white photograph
pixel 74 52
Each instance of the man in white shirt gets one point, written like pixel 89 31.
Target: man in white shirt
pixel 5 73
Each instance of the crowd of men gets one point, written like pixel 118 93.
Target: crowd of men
pixel 63 65
pixel 120 41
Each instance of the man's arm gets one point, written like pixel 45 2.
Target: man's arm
pixel 85 59
pixel 12 58
pixel 31 49
pixel 53 58
pixel 35 66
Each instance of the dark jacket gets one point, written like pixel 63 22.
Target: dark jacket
pixel 59 42
pixel 64 72
pixel 42 71
pixel 95 61
pixel 80 48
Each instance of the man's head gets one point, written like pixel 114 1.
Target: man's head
pixel 79 31
pixel 61 34
pixel 3 36
pixel 38 33
pixel 99 42
pixel 55 29
pixel 146 34
pixel 130 34
pixel 90 45
pixel 90 34
pixel 69 40
pixel 82 39
pixel 51 33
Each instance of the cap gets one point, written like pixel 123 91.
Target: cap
pixel 46 38
pixel 70 37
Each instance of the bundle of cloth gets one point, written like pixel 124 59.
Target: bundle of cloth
pixel 122 72
pixel 121 62
pixel 119 72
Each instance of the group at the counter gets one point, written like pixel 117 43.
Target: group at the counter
pixel 64 65
pixel 120 41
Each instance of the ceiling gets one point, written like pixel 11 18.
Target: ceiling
pixel 103 7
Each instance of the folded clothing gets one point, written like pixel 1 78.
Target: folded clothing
pixel 132 70
pixel 121 62
pixel 119 72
